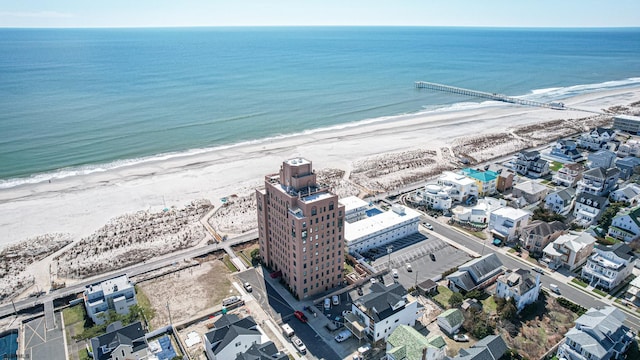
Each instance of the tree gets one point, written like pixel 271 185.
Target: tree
pixel 546 215
pixel 609 214
pixel 456 299
pixel 509 310
pixel 474 294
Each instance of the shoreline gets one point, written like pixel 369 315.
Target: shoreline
pixel 81 204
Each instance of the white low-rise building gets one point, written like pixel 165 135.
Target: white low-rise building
pixel 381 227
pixel 458 186
pixel 480 212
pixel 117 294
pixel 355 209
pixel 609 266
pixel 433 196
pixel 519 285
pixel 506 223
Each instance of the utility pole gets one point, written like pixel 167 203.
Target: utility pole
pixel 169 311
pixel 389 249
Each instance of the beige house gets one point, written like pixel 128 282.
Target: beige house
pixel 569 250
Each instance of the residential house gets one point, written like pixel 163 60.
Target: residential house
pixel 506 223
pixel 406 343
pixel 598 181
pixel 588 208
pixel 569 250
pixel 519 285
pixel 491 347
pixel 601 158
pixel 231 336
pixel 486 181
pixel 630 148
pixel 627 166
pixel 476 274
pixel 566 150
pixel 632 294
pixel 117 294
pixel 537 234
pixel 266 351
pixel 121 343
pixel 459 187
pixel 380 312
pixel 599 334
pixel 625 225
pixel 561 201
pixel 480 212
pixel 471 304
pixel 629 194
pixel 427 287
pixel 598 138
pixel 609 266
pixel 450 321
pixel 529 163
pixel 505 177
pixel 568 175
pixel 433 196
pixel 531 191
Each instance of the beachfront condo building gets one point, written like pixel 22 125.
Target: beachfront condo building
pixel 117 294
pixel 301 229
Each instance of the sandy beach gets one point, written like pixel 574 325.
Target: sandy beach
pixel 80 205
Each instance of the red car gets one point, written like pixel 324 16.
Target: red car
pixel 300 316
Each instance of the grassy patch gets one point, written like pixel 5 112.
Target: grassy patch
pixel 489 305
pixel 348 269
pixel 607 240
pixel 600 292
pixel 145 305
pixel 74 314
pixel 555 166
pixel 443 296
pixel 229 264
pixel 512 251
pixel 84 355
pixel 579 282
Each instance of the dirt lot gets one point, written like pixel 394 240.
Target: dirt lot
pixel 188 292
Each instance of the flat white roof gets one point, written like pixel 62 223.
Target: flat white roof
pixel 359 229
pixel 627 117
pixel 456 178
pixel 111 285
pixel 298 161
pixel 511 213
pixel 352 202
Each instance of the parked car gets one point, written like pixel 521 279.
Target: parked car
pixel 360 291
pixel 345 312
pixel 327 304
pixel 343 335
pixel 433 257
pixel 374 280
pixel 395 273
pixel 299 345
pixel 300 316
pixel 461 337
pixel 247 287
pixel 538 270
pixel 335 299
pixel 231 300
pixel 554 288
pixel 428 226
pixel 409 269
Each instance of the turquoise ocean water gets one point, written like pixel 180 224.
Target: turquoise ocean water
pixel 82 100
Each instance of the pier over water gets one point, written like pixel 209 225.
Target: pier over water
pixel 490 96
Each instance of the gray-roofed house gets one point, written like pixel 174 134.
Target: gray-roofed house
pixel 561 201
pixel 599 334
pixel 588 208
pixel 609 266
pixel 406 343
pixel 266 351
pixel 627 166
pixel 476 274
pixel 566 150
pixel 231 336
pixel 598 181
pixel 530 164
pixel 382 310
pixel 629 194
pixel 596 139
pixel 537 234
pixel 519 285
pixel 601 158
pixel 626 225
pixel 119 342
pixel 568 175
pixel 531 191
pixel 569 250
pixel 450 321
pixel 491 347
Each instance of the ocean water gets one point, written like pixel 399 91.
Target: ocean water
pixel 76 101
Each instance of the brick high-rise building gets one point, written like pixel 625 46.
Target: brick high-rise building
pixel 301 229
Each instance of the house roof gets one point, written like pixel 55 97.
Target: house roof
pixel 566 194
pixel 407 341
pixel 266 351
pixel 227 328
pixel 483 176
pixel 483 267
pixel 591 200
pixel 453 317
pixel 542 228
pixel 380 301
pixel 531 187
pixel 520 281
pixel 427 285
pixel 462 279
pixel 634 214
pixel 621 250
pixel 601 173
pixel 629 161
pixel 601 130
pixel 131 335
pixel 491 347
pixel 598 330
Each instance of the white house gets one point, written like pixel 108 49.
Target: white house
pixel 381 311
pixel 588 208
pixel 433 196
pixel 609 265
pixel 406 343
pixel 628 194
pixel 630 148
pixel 458 186
pixel 231 336
pixel 568 175
pixel 519 285
pixel 450 321
pixel 597 139
pixel 116 294
pixel 599 334
pixel 480 212
pixel 381 227
pixel 626 225
pixel 598 181
pixel 569 250
pixel 561 201
pixel 506 223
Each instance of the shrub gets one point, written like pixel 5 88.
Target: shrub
pixel 571 306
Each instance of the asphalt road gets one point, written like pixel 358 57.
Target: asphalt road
pixel 134 270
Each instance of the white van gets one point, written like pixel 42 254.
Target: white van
pixel 287 330
pixel 554 288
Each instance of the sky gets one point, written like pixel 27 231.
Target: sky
pixel 184 13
